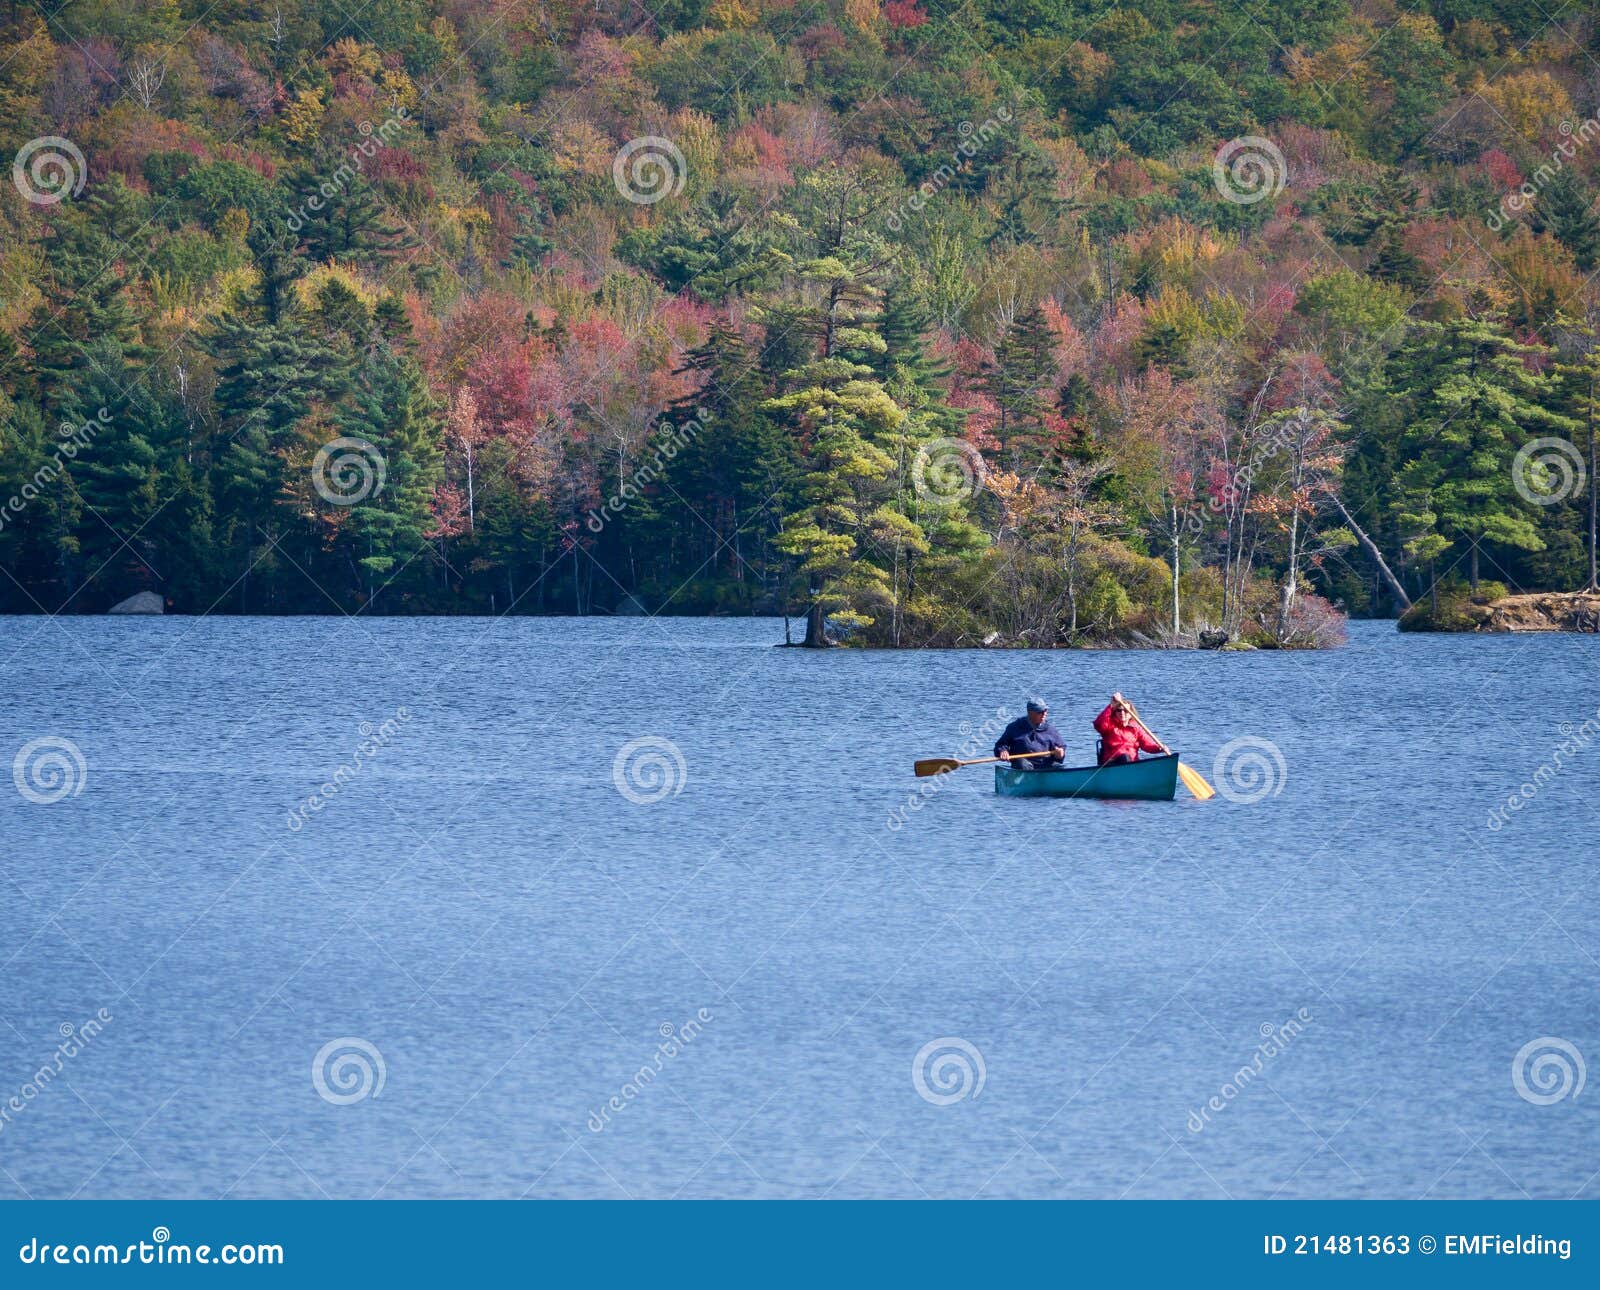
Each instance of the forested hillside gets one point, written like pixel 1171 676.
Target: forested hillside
pixel 1046 321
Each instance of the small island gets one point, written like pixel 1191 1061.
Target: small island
pixel 1547 611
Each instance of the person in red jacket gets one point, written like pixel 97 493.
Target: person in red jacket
pixel 1122 736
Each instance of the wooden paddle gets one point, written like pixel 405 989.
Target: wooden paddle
pixel 938 765
pixel 1192 779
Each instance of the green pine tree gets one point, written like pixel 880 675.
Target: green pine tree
pixel 393 410
pixel 1018 380
pixel 730 477
pixel 838 409
pixel 1473 403
pixel 85 300
pixel 1566 209
pixel 271 375
pixel 352 225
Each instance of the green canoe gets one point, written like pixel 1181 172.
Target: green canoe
pixel 1155 779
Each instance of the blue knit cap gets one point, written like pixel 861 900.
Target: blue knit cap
pixel 1037 704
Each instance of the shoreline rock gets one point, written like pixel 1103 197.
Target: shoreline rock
pixel 144 602
pixel 1539 611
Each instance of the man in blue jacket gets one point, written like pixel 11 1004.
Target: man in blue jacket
pixel 1032 733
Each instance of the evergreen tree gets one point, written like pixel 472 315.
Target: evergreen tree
pixel 85 299
pixel 1017 381
pixel 352 225
pixel 1565 208
pixel 270 376
pixel 392 410
pixel 1581 379
pixel 1473 403
pixel 911 374
pixel 838 409
pixel 728 480
pixel 276 247
pixel 118 474
pixel 1396 264
pixel 39 533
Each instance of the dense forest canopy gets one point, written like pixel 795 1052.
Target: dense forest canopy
pixel 1044 321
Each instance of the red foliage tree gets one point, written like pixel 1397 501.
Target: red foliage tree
pixel 903 14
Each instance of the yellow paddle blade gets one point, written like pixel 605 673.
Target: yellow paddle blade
pixel 935 766
pixel 1195 782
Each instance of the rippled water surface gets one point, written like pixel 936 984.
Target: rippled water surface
pixel 509 936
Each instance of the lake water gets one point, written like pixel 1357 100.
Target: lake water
pixel 433 981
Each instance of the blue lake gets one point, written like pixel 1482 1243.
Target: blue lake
pixel 796 975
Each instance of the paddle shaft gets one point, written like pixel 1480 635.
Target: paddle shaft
pixel 1139 721
pixel 940 765
pixel 984 761
pixel 1192 779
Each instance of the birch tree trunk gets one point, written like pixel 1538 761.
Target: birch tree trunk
pixel 1375 555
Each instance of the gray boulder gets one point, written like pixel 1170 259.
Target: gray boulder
pixel 145 602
